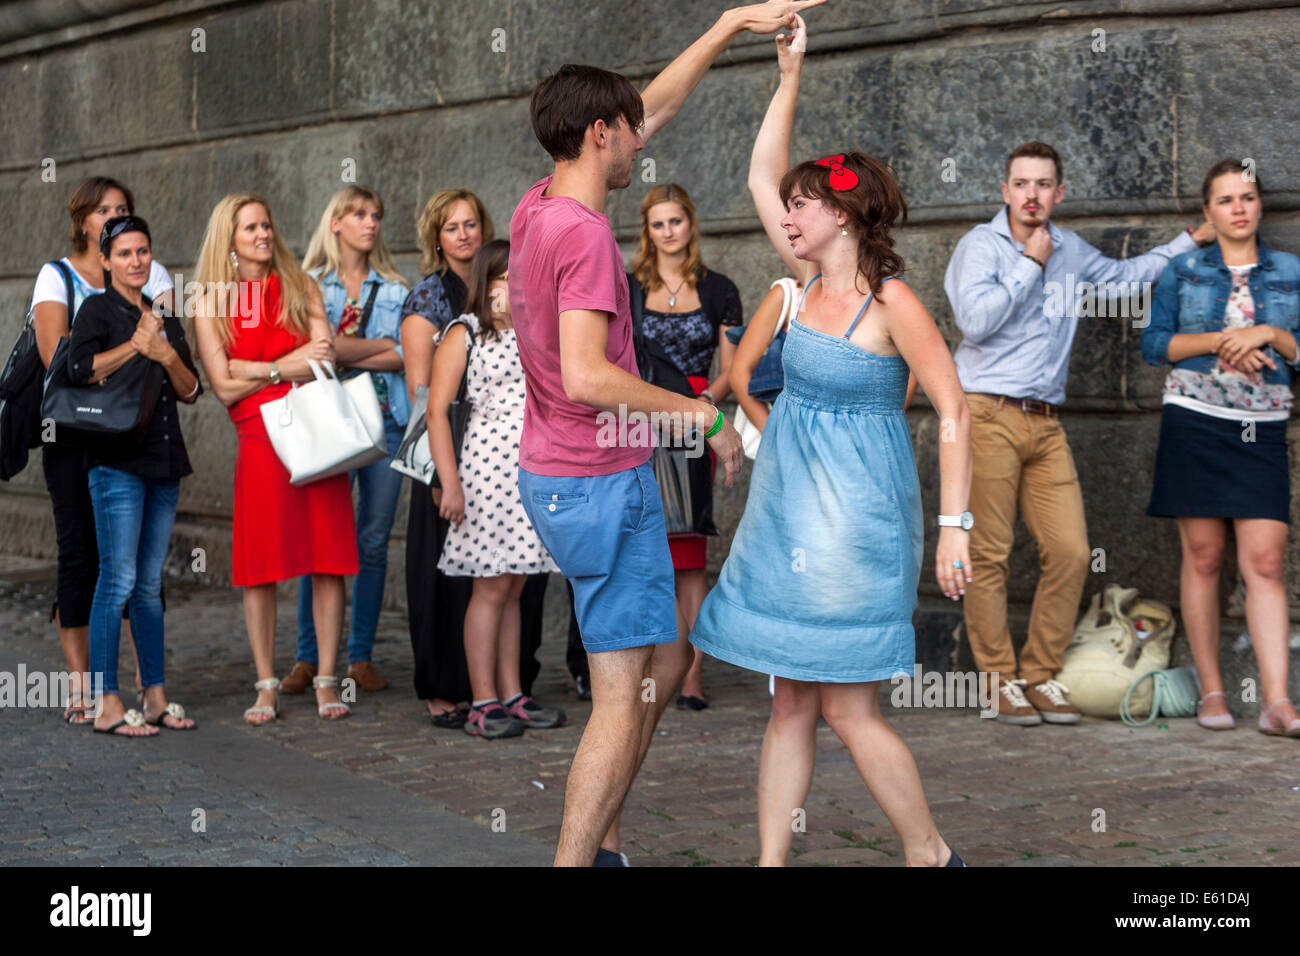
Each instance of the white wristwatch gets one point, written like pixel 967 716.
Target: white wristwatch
pixel 965 521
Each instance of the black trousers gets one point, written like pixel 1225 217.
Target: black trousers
pixel 74 527
pixel 436 607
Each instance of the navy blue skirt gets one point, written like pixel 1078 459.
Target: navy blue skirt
pixel 1205 468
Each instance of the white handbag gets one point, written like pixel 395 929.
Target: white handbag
pixel 750 436
pixel 413 458
pixel 326 427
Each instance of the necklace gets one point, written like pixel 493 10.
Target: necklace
pixel 672 293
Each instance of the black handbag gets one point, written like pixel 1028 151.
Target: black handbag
pixel 20 391
pixel 118 408
pixel 685 480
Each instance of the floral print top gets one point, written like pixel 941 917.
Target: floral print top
pixel 350 324
pixel 1226 390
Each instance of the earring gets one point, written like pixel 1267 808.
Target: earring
pixel 234 259
pixel 844 232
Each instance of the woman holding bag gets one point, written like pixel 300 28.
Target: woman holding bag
pixel 363 294
pixel 94 201
pixel 686 309
pixel 254 340
pixel 134 486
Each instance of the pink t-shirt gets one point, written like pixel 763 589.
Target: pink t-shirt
pixel 563 256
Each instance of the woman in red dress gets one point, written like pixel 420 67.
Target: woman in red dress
pixel 260 320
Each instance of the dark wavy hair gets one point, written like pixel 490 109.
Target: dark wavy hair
pixel 491 260
pixel 873 206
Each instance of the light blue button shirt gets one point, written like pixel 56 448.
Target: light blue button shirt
pixel 385 323
pixel 1017 320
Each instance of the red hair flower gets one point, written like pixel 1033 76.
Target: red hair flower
pixel 842 179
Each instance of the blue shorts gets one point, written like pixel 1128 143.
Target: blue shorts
pixel 607 534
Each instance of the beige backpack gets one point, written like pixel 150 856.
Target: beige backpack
pixel 1119 638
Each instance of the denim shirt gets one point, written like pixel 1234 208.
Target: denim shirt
pixel 1018 321
pixel 385 323
pixel 1193 294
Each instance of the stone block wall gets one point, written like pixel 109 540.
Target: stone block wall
pixel 188 100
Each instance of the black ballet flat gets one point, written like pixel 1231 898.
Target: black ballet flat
pixel 954 860
pixel 686 702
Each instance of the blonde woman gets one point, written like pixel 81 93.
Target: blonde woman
pixel 685 309
pixel 259 322
pixel 363 295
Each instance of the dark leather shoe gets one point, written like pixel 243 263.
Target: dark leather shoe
pixel 299 678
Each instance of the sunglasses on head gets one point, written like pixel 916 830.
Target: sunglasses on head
pixel 118 225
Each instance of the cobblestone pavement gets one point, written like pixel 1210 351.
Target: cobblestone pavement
pixel 384 787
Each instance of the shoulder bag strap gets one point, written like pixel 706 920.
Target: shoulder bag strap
pixel 370 305
pixel 70 289
pixel 463 391
pixel 787 299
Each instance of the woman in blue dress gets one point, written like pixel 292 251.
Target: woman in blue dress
pixel 820 584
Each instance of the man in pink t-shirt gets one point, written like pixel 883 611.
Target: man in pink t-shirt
pixel 588 487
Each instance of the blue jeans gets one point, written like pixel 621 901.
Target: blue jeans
pixel 133 526
pixel 379 487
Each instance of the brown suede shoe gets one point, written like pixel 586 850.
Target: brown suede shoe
pixel 1013 708
pixel 299 678
pixel 1048 698
pixel 367 678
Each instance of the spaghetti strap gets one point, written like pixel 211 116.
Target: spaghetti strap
pixel 862 311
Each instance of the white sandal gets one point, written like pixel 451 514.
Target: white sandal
pixel 328 680
pixel 271 713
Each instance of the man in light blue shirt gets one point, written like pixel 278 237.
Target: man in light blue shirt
pixel 1018 287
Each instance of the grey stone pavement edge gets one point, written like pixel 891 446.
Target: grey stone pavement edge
pixel 385 788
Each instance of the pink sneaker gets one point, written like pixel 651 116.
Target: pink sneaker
pixel 534 716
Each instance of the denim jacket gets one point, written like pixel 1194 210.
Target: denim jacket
pixel 1193 293
pixel 385 323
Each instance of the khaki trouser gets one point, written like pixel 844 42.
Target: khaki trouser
pixel 1022 458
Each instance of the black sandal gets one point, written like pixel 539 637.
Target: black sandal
pixel 133 718
pixel 453 719
pixel 685 702
pixel 174 710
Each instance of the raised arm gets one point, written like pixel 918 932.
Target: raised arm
pixel 669 90
pixel 770 158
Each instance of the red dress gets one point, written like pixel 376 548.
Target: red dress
pixel 280 531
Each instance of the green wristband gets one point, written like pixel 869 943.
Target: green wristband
pixel 717 425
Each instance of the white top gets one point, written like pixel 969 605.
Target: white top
pixel 50 287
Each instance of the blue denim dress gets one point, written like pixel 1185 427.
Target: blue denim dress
pixel 820 583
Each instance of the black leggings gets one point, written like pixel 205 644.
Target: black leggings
pixel 74 526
